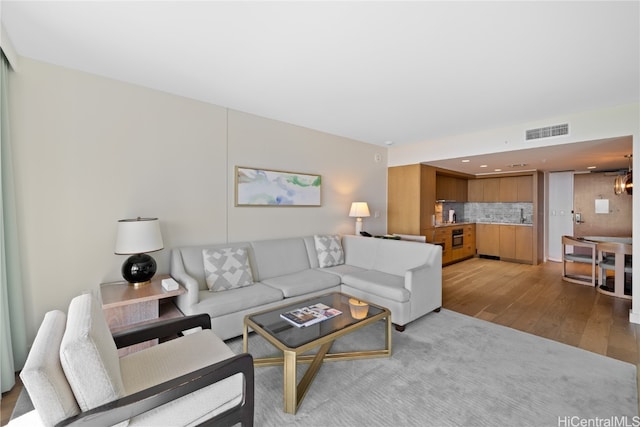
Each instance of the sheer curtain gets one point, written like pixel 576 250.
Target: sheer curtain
pixel 13 339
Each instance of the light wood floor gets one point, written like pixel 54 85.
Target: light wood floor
pixel 536 300
pixel 532 299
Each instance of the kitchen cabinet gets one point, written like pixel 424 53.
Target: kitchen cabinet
pixel 411 195
pixel 475 190
pixel 470 240
pixel 488 239
pixel 516 189
pixel 516 243
pixel 483 190
pixel 508 189
pixel 525 188
pixel 524 244
pixel 491 191
pixel 507 242
pixel 443 234
pixel 451 188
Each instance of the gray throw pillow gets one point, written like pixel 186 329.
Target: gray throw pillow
pixel 226 268
pixel 329 250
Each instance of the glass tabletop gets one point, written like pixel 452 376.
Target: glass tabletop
pixel 295 336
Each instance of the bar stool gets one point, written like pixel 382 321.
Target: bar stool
pixel 586 257
pixel 620 263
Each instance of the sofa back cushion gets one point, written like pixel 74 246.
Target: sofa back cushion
pixel 310 244
pixel 42 374
pixel 89 356
pixel 387 255
pixel 193 262
pixel 279 257
pixel 398 256
pixel 360 251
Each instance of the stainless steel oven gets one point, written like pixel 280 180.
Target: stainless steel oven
pixel 457 237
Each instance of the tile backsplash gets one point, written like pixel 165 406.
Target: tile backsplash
pixel 504 213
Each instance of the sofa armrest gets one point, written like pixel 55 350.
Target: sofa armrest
pixel 153 397
pixel 425 284
pixel 189 298
pixel 161 329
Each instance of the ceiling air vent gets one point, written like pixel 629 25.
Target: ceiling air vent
pixel 548 132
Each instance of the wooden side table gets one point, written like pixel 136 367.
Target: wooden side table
pixel 125 306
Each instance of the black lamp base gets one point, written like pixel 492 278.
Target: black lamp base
pixel 139 269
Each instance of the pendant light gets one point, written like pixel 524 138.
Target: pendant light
pixel 624 183
pixel 628 186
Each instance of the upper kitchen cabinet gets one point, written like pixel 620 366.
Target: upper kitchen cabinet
pixel 483 190
pixel 516 189
pixel 410 199
pixel 503 189
pixel 451 188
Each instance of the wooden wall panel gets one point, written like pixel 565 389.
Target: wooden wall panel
pixel 588 188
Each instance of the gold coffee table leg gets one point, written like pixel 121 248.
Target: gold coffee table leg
pixel 290 382
pixel 294 393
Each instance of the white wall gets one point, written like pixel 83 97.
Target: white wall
pixel 89 151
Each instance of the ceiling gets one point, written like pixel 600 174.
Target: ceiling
pixel 604 155
pixel 385 73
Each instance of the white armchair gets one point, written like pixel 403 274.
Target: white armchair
pixel 73 374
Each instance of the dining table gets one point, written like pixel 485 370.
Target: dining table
pixel 620 261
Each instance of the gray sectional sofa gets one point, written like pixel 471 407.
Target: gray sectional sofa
pixel 405 277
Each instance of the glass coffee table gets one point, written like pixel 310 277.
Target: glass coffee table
pixel 293 341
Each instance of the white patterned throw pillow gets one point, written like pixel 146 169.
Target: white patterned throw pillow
pixel 329 250
pixel 226 268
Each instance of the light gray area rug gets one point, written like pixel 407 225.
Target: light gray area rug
pixel 448 369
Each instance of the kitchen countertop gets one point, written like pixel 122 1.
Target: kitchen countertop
pixel 454 224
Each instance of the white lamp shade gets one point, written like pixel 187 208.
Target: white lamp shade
pixel 139 235
pixel 359 209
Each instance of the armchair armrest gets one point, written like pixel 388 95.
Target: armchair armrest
pixel 145 400
pixel 161 329
pixel 189 298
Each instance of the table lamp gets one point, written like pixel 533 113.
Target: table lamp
pixel 136 237
pixel 359 210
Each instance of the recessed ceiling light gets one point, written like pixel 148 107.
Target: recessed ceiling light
pixel 466 161
pixel 497 170
pixel 591 167
pixel 484 166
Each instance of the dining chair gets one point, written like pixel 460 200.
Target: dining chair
pixel 617 257
pixel 587 255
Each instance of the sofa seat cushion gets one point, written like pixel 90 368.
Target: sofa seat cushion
pixel 303 282
pixel 342 270
pixel 171 359
pixel 217 304
pixel 378 283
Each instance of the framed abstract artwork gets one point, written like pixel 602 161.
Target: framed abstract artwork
pixel 263 187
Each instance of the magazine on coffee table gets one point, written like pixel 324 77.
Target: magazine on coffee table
pixel 310 315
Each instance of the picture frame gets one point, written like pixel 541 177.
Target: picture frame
pixel 268 187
